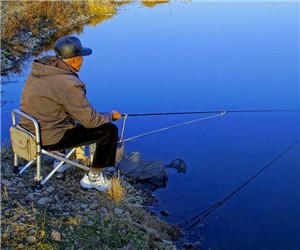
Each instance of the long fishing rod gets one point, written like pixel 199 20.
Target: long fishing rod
pixel 192 222
pixel 213 112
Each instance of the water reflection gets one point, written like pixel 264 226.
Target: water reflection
pixel 153 3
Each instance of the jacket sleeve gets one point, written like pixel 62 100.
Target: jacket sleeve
pixel 77 105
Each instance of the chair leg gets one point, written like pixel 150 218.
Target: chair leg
pixel 67 156
pixel 38 177
pixel 16 166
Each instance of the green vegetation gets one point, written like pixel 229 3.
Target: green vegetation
pixel 109 233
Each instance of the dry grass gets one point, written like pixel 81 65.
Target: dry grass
pixel 31 15
pixel 74 221
pixel 116 192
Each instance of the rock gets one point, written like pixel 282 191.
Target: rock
pixel 150 174
pixel 55 235
pixel 56 198
pixel 164 213
pixel 6 182
pixel 127 215
pixel 84 206
pixel 20 184
pixel 118 211
pixel 50 189
pixel 179 165
pixel 32 231
pixel 104 211
pixel 87 220
pixel 31 239
pixel 43 201
pixel 30 196
pixel 167 242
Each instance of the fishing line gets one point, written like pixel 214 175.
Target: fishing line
pixel 166 128
pixel 217 112
pixel 192 222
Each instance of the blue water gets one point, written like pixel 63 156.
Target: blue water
pixel 203 56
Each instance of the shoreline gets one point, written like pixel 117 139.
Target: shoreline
pixel 62 213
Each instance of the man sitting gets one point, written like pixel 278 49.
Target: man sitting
pixel 54 95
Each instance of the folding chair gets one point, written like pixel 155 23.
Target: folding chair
pixel 28 146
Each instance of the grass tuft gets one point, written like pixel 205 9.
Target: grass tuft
pixel 116 192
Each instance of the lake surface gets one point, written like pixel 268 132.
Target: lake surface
pixel 206 56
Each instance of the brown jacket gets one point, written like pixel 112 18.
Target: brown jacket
pixel 54 95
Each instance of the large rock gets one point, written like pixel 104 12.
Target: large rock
pixel 151 174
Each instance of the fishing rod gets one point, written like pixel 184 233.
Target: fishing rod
pixel 212 112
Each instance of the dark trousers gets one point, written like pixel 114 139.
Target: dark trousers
pixel 105 137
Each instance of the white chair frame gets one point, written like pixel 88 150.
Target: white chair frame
pixel 63 158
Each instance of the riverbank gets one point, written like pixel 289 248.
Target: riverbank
pixel 30 27
pixel 64 216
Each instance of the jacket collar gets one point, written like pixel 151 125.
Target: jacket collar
pixel 50 65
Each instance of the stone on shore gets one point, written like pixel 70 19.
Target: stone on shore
pixel 55 235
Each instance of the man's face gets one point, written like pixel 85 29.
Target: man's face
pixel 77 62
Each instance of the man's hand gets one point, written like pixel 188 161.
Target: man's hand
pixel 115 115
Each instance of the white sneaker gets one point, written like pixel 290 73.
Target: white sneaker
pixel 62 168
pixel 97 181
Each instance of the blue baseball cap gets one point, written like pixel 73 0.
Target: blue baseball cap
pixel 70 46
